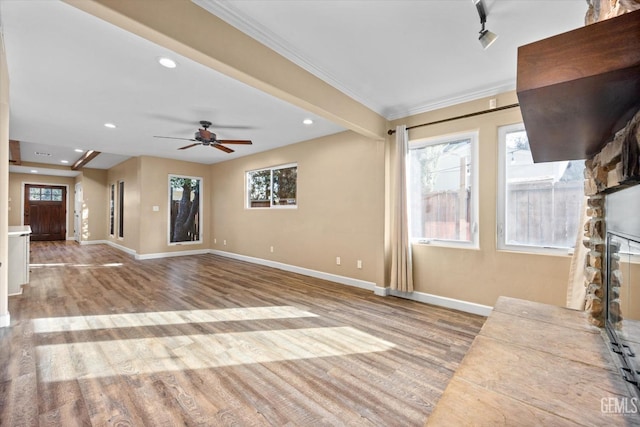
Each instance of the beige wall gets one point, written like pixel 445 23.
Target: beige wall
pixel 95 204
pixel 340 208
pixel 146 185
pixel 482 275
pixel 128 172
pixel 16 195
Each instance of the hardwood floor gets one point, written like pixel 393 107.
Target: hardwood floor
pixel 100 339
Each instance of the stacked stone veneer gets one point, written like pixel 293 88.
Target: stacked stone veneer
pixel 616 166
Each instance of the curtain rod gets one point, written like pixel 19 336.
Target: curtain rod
pixel 478 113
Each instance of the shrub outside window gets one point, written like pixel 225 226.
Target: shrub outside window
pixel 274 187
pixel 539 204
pixel 442 190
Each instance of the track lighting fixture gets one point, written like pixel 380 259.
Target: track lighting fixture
pixel 486 37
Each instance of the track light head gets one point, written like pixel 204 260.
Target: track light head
pixel 487 38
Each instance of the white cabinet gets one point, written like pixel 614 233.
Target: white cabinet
pixel 18 258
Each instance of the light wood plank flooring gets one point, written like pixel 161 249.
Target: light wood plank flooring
pixel 100 339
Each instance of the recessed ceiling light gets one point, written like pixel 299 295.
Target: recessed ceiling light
pixel 167 63
pixel 307 121
pixel 64 161
pixel 34 171
pixel 79 150
pixel 110 125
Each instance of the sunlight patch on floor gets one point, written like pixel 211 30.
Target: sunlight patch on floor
pixel 65 362
pixel 133 320
pixel 70 264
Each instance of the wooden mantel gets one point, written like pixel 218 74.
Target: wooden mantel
pixel 578 88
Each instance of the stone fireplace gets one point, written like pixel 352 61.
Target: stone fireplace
pixel 615 167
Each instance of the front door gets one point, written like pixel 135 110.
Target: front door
pixel 45 211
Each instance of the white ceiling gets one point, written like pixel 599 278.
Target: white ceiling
pixel 71 72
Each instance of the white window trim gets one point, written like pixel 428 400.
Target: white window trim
pixel 112 206
pixel 474 243
pixel 200 225
pixel 247 202
pixel 501 203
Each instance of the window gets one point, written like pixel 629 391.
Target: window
pixel 273 187
pixel 539 204
pixel 185 202
pixel 442 190
pixel 112 201
pixel 121 209
pixel 45 194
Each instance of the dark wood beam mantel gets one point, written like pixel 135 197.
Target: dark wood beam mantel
pixel 577 89
pixel 14 151
pixel 86 158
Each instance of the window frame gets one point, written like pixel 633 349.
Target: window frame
pixel 120 210
pixel 271 205
pixel 200 239
pixel 474 228
pixel 501 204
pixel 112 210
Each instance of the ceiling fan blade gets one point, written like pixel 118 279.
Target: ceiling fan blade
pixel 189 146
pixel 223 148
pixel 235 141
pixel 171 137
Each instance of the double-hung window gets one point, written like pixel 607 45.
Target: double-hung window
pixel 274 187
pixel 442 190
pixel 539 204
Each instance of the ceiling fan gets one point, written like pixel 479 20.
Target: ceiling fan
pixel 207 138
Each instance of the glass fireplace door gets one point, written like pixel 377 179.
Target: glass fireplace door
pixel 623 300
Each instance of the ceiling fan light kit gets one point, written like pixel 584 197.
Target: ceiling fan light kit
pixel 207 138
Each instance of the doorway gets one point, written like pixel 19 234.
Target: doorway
pixel 45 211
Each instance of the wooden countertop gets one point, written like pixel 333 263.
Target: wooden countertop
pixel 535 364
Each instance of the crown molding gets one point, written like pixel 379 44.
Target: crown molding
pixel 234 17
pixel 226 11
pixel 401 113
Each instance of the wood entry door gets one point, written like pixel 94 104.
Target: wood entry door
pixel 45 210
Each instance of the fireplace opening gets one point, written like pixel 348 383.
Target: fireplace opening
pixel 622 284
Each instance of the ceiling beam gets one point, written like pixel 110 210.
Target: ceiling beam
pixel 14 150
pixel 203 37
pixel 86 158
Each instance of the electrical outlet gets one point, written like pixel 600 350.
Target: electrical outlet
pixel 492 103
pixel 271 249
pixel 359 264
pixel 338 260
pixel 215 241
pixel 224 242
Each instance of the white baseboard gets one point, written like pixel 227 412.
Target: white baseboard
pixel 362 284
pixel 145 256
pixel 94 242
pixel 172 254
pixel 455 304
pixel 120 247
pixel 383 292
pixel 5 320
